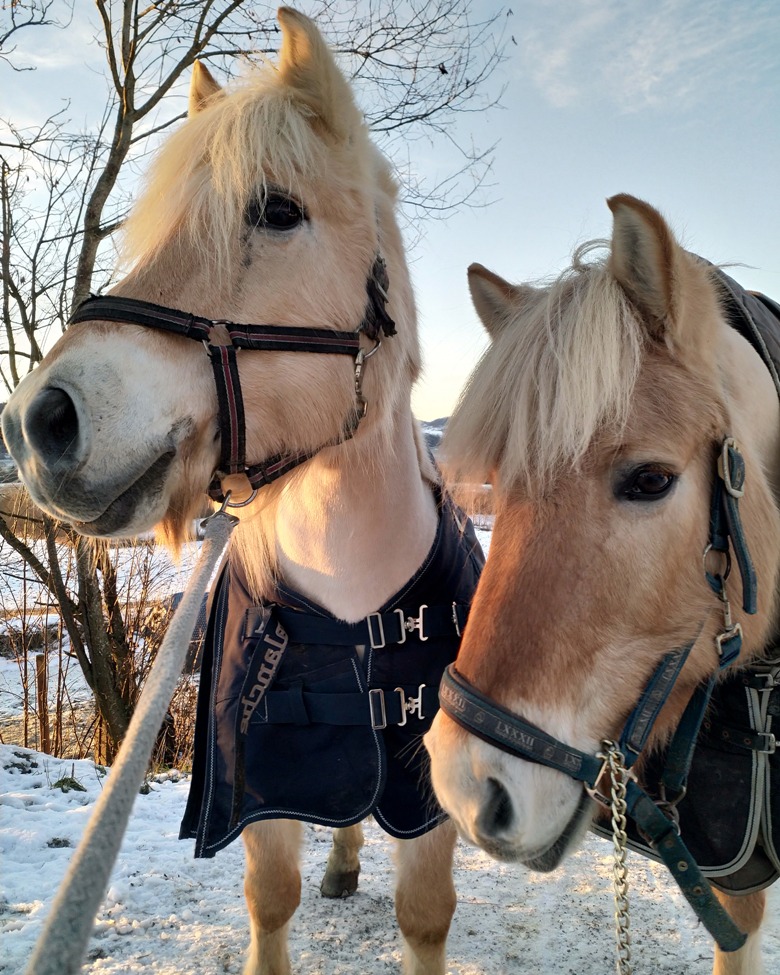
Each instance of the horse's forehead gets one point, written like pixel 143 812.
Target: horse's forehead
pixel 672 409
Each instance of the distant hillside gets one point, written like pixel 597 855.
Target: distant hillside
pixel 433 431
pixel 7 466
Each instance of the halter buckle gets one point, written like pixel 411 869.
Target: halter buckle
pixel 724 468
pixel 669 806
pixel 237 488
pixel 725 554
pixel 218 335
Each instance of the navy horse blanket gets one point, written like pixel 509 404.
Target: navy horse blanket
pixel 293 722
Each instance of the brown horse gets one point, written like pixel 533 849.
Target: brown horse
pixel 598 413
pixel 269 205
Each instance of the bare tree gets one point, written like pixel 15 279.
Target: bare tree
pixel 418 66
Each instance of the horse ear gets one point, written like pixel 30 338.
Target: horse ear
pixel 202 88
pixel 646 260
pixel 495 300
pixel 307 65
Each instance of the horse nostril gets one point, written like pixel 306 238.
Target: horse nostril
pixel 52 426
pixel 497 813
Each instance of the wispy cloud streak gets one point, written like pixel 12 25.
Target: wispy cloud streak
pixel 645 55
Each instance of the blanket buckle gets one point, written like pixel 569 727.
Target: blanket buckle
pixel 417 623
pixel 376 706
pixel 769 746
pixel 377 640
pixel 411 705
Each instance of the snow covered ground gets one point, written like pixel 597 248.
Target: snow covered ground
pixel 167 913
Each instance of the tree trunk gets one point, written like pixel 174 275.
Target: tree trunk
pixel 113 697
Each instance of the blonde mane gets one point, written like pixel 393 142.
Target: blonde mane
pixel 256 133
pixel 511 418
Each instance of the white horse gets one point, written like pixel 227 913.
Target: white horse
pixel 270 204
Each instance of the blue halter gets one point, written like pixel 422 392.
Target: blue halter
pixel 507 731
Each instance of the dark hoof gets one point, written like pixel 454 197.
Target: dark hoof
pixel 339 884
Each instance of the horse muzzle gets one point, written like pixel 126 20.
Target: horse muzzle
pixel 53 434
pixel 513 810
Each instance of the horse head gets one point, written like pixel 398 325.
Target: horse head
pixel 599 412
pixel 268 205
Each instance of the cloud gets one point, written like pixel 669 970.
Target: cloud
pixel 642 55
pixel 60 44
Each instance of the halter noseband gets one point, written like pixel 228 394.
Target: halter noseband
pixel 496 725
pixel 223 340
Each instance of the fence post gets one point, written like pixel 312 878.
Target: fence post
pixel 42 685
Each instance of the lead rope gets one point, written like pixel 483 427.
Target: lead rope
pixel 63 941
pixel 618 774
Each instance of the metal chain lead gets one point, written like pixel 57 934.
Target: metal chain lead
pixel 614 761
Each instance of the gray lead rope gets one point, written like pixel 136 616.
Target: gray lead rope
pixel 61 947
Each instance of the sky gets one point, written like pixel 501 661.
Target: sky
pixel 674 101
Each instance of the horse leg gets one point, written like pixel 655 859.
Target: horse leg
pixel 341 872
pixel 272 886
pixel 747 912
pixel 425 898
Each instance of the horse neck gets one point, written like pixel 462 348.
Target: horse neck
pixel 352 526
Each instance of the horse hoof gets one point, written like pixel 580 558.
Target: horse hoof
pixel 340 884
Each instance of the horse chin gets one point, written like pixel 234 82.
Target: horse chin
pixel 136 508
pixel 567 842
pixel 549 858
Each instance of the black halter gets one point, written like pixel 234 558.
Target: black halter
pixel 500 727
pixel 223 340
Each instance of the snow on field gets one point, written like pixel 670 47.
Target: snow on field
pixel 169 914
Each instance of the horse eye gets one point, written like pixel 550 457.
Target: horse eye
pixel 647 483
pixel 274 211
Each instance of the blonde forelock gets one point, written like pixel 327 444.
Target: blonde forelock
pixel 562 368
pixel 208 170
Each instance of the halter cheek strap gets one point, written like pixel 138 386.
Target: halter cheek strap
pixel 223 340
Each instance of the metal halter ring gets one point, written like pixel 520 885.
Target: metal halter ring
pixel 238 504
pixel 726 555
